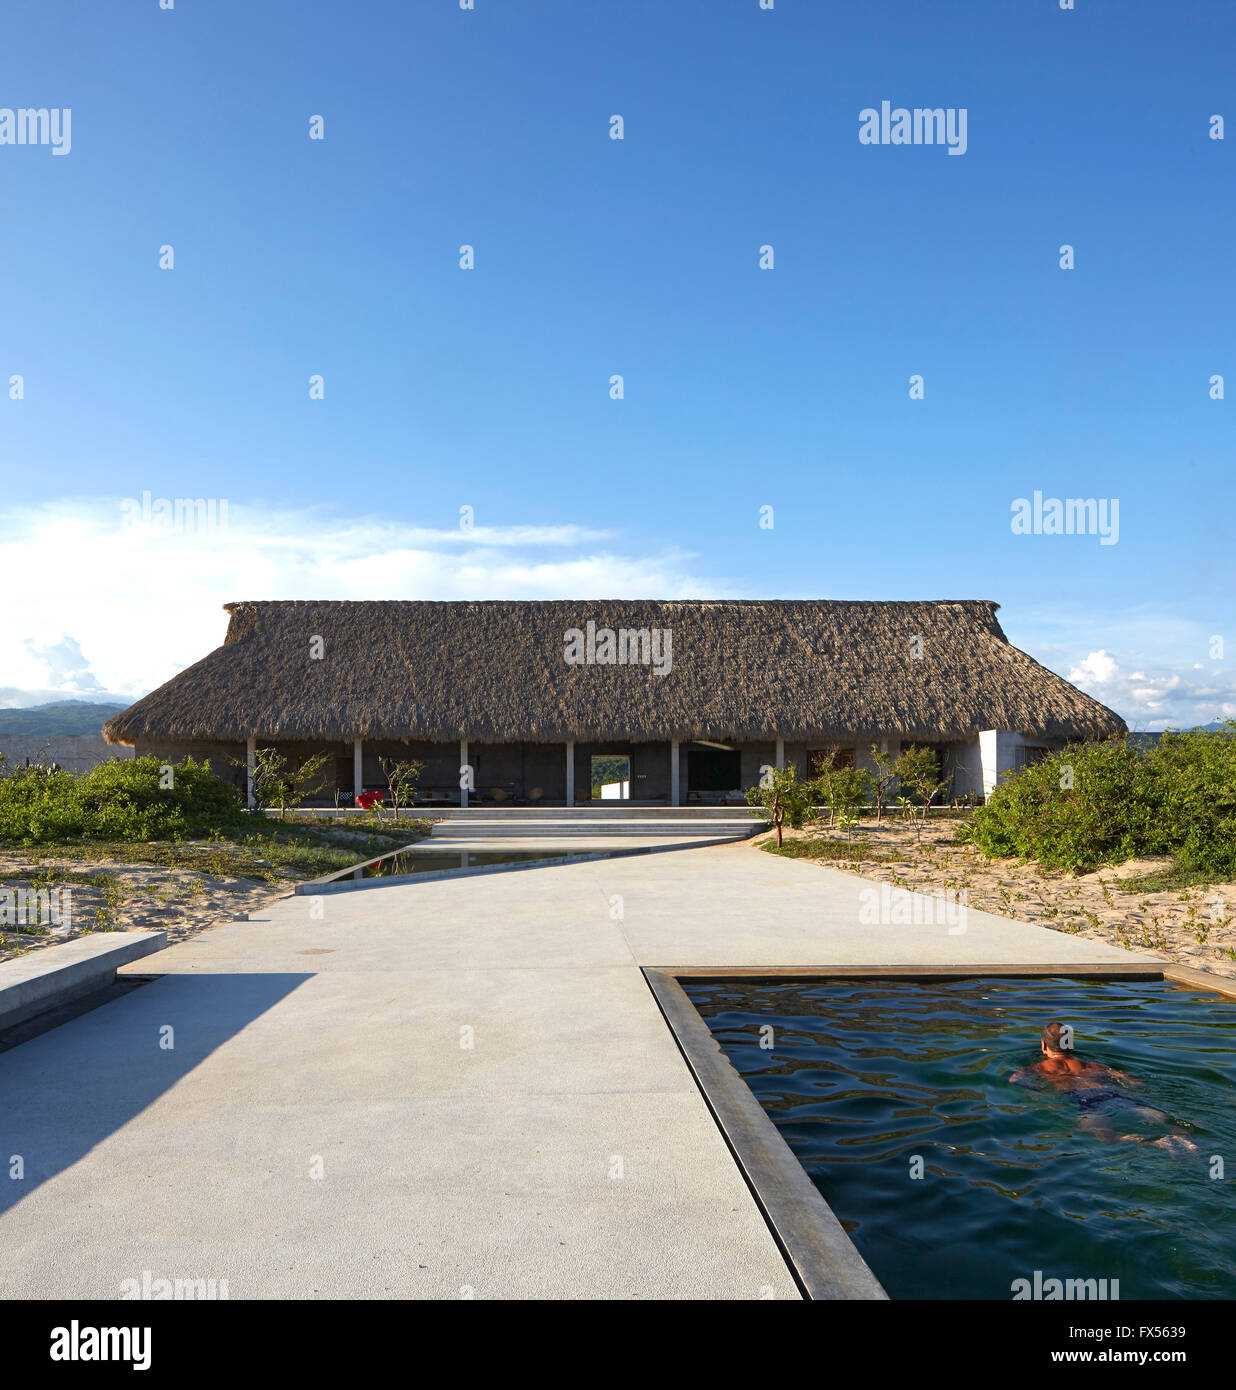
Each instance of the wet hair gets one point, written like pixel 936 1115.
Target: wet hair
pixel 1051 1037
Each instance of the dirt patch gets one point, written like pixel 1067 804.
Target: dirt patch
pixel 108 895
pixel 1194 926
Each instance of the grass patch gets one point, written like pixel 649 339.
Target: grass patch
pixel 829 849
pixel 269 851
pixel 1169 880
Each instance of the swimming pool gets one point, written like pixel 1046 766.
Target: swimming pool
pixel 872 1082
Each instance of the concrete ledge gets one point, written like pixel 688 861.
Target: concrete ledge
pixel 824 1260
pixel 49 977
pixel 1203 979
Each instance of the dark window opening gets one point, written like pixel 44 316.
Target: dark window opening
pixel 714 770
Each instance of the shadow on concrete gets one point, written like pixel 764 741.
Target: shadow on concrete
pixel 67 1090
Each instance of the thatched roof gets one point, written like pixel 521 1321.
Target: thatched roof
pixel 755 669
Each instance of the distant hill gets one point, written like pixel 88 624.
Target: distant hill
pixel 60 717
pixel 1147 741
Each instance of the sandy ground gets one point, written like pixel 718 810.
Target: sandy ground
pixel 180 902
pixel 1194 926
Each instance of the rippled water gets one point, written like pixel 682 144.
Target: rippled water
pixel 864 1075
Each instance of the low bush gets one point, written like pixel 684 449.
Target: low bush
pixel 125 799
pixel 1104 803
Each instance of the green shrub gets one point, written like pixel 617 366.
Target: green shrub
pixel 125 799
pixel 1103 803
pixel 39 805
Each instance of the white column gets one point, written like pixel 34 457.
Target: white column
pixel 358 770
pixel 463 763
pixel 997 757
pixel 250 768
pixel 781 752
pixel 570 771
pixel 675 797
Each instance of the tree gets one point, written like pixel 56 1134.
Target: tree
pixel 401 777
pixel 783 797
pixel 882 779
pixel 919 768
pixel 276 782
pixel 842 789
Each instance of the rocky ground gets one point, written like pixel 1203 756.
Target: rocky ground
pixel 1127 905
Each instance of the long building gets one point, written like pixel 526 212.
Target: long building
pixel 662 702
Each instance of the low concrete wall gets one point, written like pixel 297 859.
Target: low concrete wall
pixel 74 752
pixel 52 975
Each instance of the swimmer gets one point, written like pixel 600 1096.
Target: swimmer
pixel 1094 1089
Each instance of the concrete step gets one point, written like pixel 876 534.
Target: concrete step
pixel 559 830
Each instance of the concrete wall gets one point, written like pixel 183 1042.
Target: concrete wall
pixel 650 769
pixel 441 760
pixel 754 757
pixel 998 753
pixel 74 752
pixel 220 756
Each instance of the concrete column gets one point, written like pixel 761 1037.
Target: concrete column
pixel 250 768
pixel 570 772
pixel 675 790
pixel 997 757
pixel 780 752
pixel 358 770
pixel 463 763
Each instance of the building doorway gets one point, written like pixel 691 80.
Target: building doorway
pixel 611 777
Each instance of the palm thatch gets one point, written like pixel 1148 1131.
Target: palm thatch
pixel 750 669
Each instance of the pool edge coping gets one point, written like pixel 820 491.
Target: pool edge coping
pixel 822 1259
pixel 820 1256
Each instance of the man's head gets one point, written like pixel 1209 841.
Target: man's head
pixel 1057 1039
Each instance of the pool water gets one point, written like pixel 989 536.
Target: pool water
pixel 864 1076
pixel 425 861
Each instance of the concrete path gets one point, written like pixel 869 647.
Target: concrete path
pixel 452 1086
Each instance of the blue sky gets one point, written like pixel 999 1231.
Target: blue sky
pixel 744 387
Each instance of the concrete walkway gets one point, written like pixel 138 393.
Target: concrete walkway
pixel 565 1153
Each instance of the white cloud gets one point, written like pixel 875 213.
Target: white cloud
pixel 108 607
pixel 1150 699
pixel 1097 667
